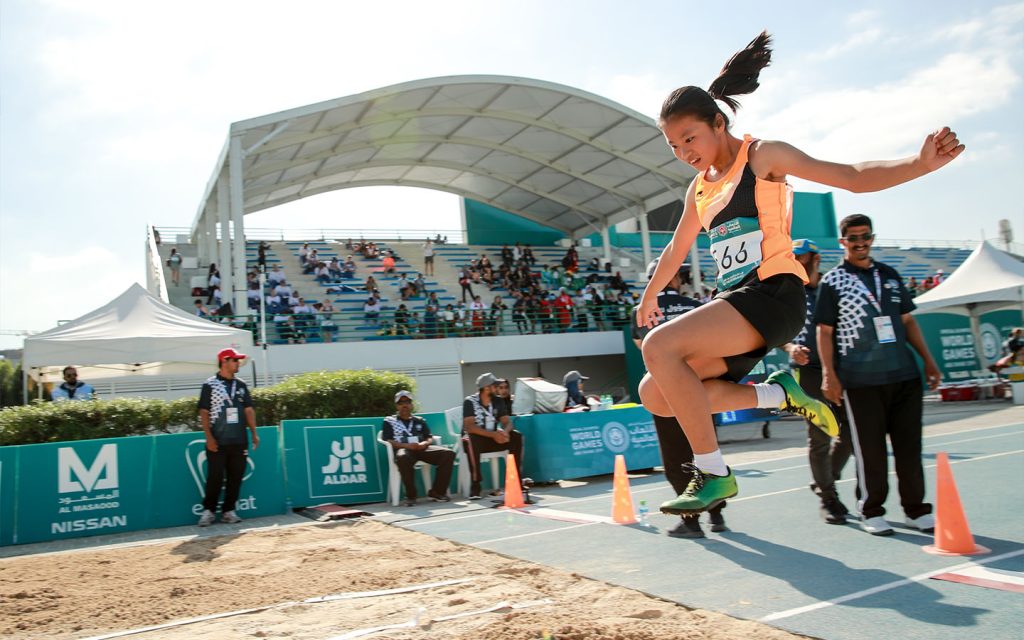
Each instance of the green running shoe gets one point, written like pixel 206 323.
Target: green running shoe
pixel 705 491
pixel 803 405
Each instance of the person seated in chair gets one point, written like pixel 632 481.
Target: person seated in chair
pixel 412 442
pixel 486 428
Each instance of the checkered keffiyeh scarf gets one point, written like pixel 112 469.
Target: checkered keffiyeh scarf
pixel 481 413
pixel 400 429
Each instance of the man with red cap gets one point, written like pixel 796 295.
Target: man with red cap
pixel 224 403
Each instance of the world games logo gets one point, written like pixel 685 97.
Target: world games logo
pixel 616 437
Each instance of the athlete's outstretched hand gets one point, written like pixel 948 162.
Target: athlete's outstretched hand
pixel 648 314
pixel 940 148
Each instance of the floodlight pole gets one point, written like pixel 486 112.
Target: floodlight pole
pixel 263 325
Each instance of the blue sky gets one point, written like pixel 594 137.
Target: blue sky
pixel 112 113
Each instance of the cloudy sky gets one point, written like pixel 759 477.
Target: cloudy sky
pixel 112 113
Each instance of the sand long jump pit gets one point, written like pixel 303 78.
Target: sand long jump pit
pixel 272 584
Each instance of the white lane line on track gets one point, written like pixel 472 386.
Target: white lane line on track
pixel 534 533
pixel 788 613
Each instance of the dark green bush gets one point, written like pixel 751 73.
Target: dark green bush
pixel 335 394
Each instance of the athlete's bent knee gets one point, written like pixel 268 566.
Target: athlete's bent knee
pixel 652 398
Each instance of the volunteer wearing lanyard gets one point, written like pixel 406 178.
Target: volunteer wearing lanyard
pixel 225 410
pixel 864 327
pixel 486 428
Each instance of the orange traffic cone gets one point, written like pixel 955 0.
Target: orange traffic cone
pixel 513 488
pixel 622 499
pixel 952 535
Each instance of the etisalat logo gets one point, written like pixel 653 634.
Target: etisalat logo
pixel 347 457
pixel 74 477
pixel 195 456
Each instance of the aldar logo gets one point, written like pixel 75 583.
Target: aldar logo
pixel 195 456
pixel 102 474
pixel 347 456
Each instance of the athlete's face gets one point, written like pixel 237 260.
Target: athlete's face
pixel 857 242
pixel 692 141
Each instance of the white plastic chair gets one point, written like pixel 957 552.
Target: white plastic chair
pixel 453 418
pixel 395 477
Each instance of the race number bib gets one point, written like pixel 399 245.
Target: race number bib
pixel 736 246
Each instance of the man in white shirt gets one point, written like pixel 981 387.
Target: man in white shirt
pixel 276 276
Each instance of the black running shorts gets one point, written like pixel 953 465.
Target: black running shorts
pixel 776 307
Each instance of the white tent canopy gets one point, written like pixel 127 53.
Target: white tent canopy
pixel 133 334
pixel 988 280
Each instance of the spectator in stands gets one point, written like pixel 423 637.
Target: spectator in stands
pixel 528 255
pixel 431 322
pixel 448 320
pixel 579 311
pixel 253 295
pixel 370 285
pixel 283 289
pixel 486 428
pixel 551 278
pixel 461 319
pixel 414 324
pixel 401 320
pixel 465 278
pixel 506 255
pixel 276 276
pixel 496 316
pixel 419 286
pixel 517 253
pixel 202 311
pixel 328 325
pixel 432 300
pixel 348 270
pixel 174 262
pixel 571 260
pixel 371 310
pixel 477 312
pixel 412 442
pixel 322 273
pixel 261 251
pixel 595 306
pixel 302 307
pixel 334 268
pixel 72 388
pixel 519 308
pixel 595 264
pixel 912 286
pixel 303 254
pixel 940 275
pixel 212 275
pixel 616 282
pixel 573 382
pixel 276 304
pixel 563 304
pixel 404 288
pixel 388 263
pixel 428 257
pixel 225 410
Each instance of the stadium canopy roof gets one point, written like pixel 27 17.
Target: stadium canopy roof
pixel 553 154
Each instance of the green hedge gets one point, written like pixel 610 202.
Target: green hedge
pixel 335 394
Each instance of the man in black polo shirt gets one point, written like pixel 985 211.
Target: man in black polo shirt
pixel 225 410
pixel 826 456
pixel 864 328
pixel 412 442
pixel 486 428
pixel 676 453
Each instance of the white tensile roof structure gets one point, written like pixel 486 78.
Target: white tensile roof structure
pixel 553 154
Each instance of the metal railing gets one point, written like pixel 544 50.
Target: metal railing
pixel 454 236
pixel 358 325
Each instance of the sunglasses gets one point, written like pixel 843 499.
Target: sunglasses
pixel 864 237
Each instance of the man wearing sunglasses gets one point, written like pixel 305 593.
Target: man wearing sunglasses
pixel 225 411
pixel 864 328
pixel 72 388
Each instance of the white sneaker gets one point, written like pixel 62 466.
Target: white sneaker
pixel 876 526
pixel 206 519
pixel 925 523
pixel 230 517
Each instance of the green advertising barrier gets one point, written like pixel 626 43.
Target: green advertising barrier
pixel 92 487
pixel 560 446
pixel 8 462
pixel 179 465
pixel 334 460
pixel 87 487
pixel 951 342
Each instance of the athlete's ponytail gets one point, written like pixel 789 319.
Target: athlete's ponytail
pixel 738 77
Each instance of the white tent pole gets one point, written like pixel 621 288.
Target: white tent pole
pixel 236 281
pixel 606 243
pixel 223 213
pixel 645 238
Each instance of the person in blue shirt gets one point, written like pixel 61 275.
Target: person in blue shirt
pixel 72 388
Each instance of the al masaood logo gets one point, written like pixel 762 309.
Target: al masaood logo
pixel 86 489
pixel 616 437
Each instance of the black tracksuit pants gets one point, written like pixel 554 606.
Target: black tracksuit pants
pixel 228 460
pixel 893 410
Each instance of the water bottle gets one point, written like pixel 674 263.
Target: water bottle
pixel 606 401
pixel 641 516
